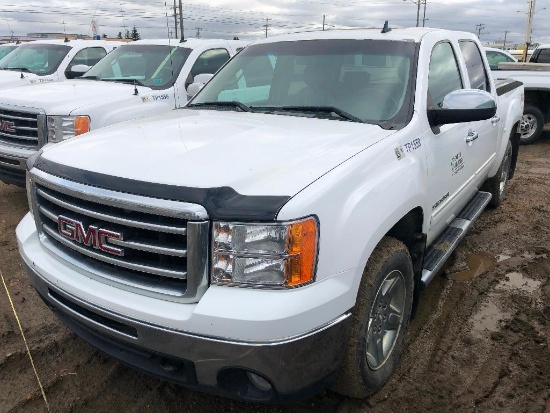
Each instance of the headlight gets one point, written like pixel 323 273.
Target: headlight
pixel 276 255
pixel 29 191
pixel 65 127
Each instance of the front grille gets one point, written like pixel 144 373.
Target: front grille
pixel 160 253
pixel 22 127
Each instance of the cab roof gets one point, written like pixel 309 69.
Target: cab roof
pixel 413 34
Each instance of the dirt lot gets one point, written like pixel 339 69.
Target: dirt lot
pixel 478 344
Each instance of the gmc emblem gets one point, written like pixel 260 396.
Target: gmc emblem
pixel 7 126
pixel 92 237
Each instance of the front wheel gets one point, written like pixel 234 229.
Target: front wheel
pixel 379 321
pixel 531 124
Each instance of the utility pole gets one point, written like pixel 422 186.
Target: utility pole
pixel 266 25
pixel 529 28
pixel 418 2
pixel 198 29
pixel 505 35
pixel 176 19
pixel 323 22
pixel 424 18
pixel 181 22
pixel 479 28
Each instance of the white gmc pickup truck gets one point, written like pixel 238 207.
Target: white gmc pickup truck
pixel 271 238
pixel 138 79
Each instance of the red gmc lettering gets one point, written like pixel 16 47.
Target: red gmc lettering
pixel 7 126
pixel 93 237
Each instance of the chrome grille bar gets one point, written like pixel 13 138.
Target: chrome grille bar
pixel 111 218
pixel 4 116
pixel 139 244
pixel 25 138
pixel 114 261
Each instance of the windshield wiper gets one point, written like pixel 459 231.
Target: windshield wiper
pixel 89 77
pixel 313 109
pixel 223 103
pixel 129 81
pixel 19 69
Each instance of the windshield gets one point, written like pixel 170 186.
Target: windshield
pixel 4 50
pixel 154 66
pixel 40 59
pixel 366 80
pixel 494 58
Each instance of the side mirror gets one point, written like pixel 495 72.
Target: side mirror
pixel 459 106
pixel 198 82
pixel 77 71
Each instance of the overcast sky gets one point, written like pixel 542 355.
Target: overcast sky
pixel 246 19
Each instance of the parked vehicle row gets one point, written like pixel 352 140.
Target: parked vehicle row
pixel 137 79
pixel 271 237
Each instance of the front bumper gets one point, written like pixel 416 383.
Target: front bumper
pixel 295 368
pixel 212 345
pixel 12 169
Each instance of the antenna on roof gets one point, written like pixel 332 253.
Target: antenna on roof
pixel 386 28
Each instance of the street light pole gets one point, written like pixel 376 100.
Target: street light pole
pixel 528 28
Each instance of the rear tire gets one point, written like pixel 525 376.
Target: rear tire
pixel 531 124
pixel 498 184
pixel 380 319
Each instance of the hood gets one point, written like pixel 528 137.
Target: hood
pixel 255 154
pixel 70 95
pixel 11 78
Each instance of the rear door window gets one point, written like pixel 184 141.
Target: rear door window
pixel 474 66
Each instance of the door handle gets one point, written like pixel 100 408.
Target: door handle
pixel 472 136
pixel 495 119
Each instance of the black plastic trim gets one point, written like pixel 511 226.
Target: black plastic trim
pixel 507 87
pixel 220 202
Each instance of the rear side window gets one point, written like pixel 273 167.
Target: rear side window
pixel 474 66
pixel 444 76
pixel 209 62
pixel 543 56
pixel 89 56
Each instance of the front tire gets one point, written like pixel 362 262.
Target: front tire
pixel 380 319
pixel 498 184
pixel 531 124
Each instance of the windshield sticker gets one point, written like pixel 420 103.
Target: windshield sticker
pixel 413 146
pixel 457 163
pixel 157 80
pixel 400 153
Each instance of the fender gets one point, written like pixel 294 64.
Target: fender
pixel 358 203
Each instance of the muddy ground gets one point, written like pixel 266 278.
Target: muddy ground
pixel 476 345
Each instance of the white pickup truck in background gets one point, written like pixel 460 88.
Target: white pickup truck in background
pixel 138 79
pixel 272 237
pixel 535 76
pixel 45 61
